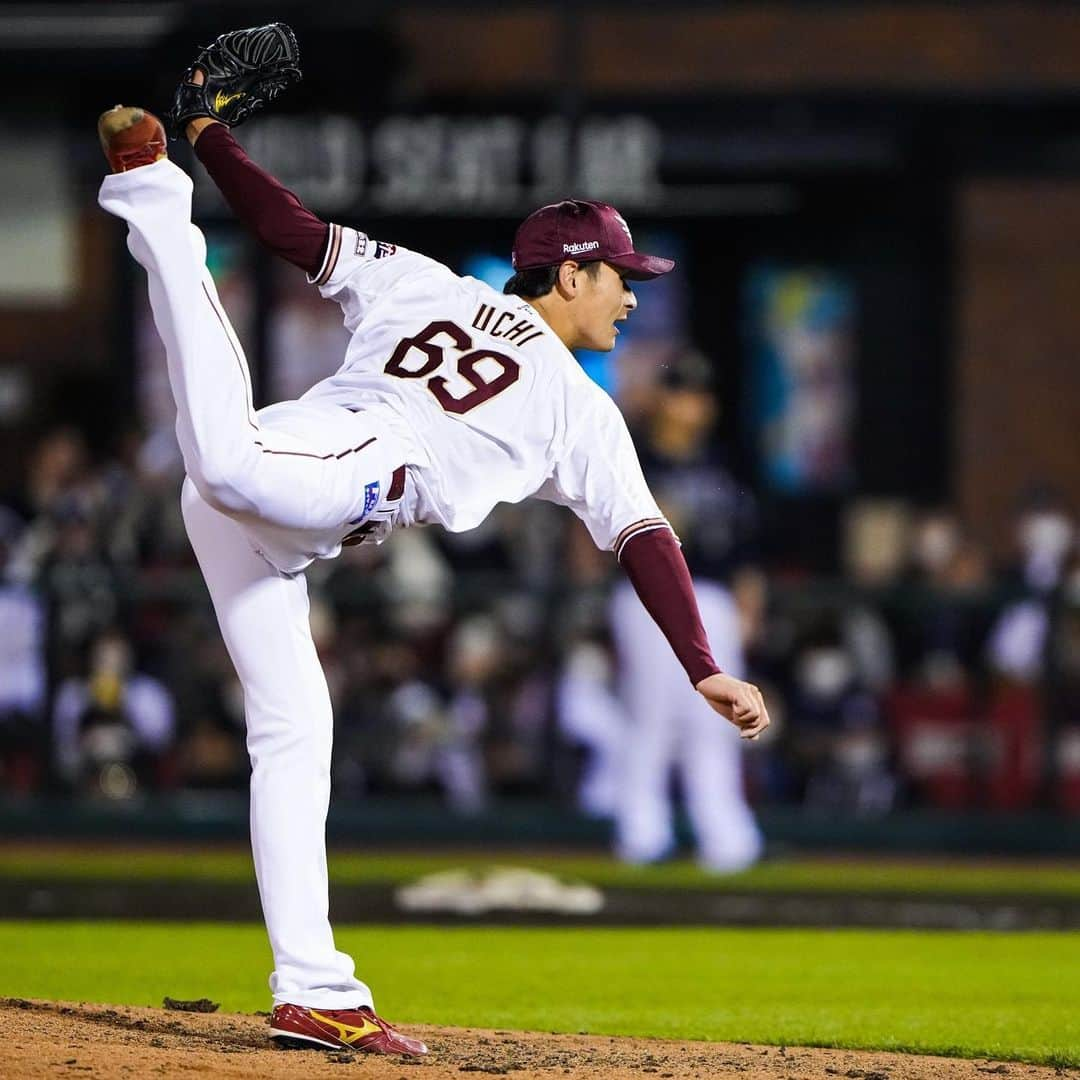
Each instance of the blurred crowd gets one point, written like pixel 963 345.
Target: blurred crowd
pixel 483 665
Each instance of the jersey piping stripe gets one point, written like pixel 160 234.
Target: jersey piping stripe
pixel 317 457
pixel 333 249
pixel 244 373
pixel 646 525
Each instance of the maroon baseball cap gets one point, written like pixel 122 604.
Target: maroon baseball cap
pixel 584 231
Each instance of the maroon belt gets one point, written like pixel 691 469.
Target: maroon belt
pixel 397 489
pixel 397 484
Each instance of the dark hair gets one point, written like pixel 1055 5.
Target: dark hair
pixel 530 284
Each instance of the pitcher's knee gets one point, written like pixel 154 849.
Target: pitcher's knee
pixel 295 746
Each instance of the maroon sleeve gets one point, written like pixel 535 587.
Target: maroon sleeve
pixel 272 212
pixel 655 565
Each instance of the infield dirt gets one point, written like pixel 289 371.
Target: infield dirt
pixel 58 1039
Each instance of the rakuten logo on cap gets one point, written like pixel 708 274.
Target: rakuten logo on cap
pixel 582 248
pixel 577 227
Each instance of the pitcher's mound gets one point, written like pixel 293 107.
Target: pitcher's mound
pixel 49 1039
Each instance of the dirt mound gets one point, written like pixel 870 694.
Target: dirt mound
pixel 56 1039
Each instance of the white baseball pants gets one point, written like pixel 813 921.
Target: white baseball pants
pixel 265 494
pixel 672 729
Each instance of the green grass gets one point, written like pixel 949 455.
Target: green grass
pixel 1012 996
pixel 864 875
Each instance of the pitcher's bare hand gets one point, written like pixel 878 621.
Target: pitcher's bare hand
pixel 738 701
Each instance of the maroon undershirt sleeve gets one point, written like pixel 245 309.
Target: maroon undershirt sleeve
pixel 655 565
pixel 270 210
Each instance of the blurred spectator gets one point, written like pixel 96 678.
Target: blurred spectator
pixel 58 467
pixel 79 586
pixel 138 510
pixel 942 613
pixel 519 743
pixel 1045 539
pixel 876 539
pixel 22 671
pixel 1021 654
pixel 417 582
pixel 439 740
pixel 113 728
pixel 1064 699
pixel 837 731
pixel 211 750
pixel 670 727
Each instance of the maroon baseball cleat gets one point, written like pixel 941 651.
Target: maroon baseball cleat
pixel 131 137
pixel 295 1027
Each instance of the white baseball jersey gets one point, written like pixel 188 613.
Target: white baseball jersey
pixel 490 403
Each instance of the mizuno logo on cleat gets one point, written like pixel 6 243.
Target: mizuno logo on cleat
pixel 347 1033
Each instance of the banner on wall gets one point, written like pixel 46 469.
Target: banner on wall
pixel 800 351
pixel 487 165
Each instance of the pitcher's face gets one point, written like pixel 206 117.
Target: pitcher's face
pixel 605 299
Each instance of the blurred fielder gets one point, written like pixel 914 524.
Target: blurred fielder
pixel 451 398
pixel 669 728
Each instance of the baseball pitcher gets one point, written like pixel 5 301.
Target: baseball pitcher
pixel 450 399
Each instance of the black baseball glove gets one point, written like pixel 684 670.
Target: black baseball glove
pixel 243 69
